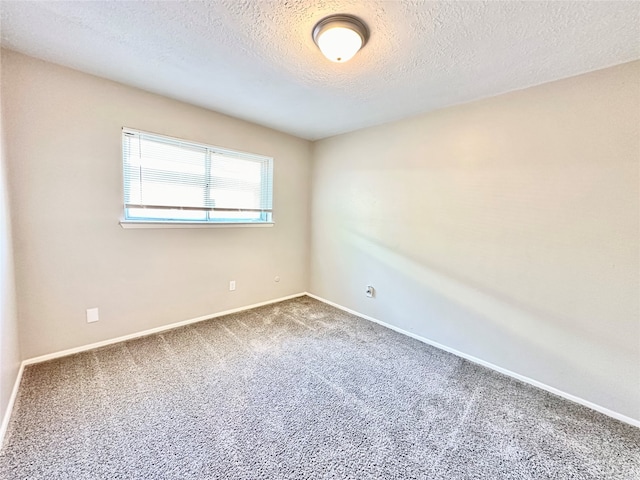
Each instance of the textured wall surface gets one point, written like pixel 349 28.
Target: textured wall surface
pixel 65 156
pixel 507 229
pixel 256 59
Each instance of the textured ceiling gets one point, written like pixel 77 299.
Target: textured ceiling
pixel 256 60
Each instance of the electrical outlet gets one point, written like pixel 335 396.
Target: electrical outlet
pixel 92 315
pixel 370 291
pixel 232 285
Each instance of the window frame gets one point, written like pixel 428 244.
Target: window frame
pixel 128 221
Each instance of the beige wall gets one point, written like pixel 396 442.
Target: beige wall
pixel 507 229
pixel 71 254
pixel 9 346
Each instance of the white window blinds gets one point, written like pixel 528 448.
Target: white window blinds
pixel 171 180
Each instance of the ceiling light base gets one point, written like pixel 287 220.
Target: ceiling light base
pixel 340 37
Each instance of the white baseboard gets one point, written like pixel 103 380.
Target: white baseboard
pixel 504 371
pixel 151 331
pixel 12 401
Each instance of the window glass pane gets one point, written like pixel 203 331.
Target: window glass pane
pixel 249 216
pixel 162 214
pixel 172 158
pixel 235 199
pixel 167 194
pixel 235 183
pixel 228 168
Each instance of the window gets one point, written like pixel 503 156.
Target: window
pixel 167 180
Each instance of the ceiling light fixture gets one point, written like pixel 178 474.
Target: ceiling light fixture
pixel 339 37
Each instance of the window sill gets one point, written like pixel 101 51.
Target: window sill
pixel 143 224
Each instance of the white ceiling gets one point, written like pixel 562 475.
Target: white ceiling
pixel 255 59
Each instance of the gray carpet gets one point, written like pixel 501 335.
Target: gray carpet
pixel 298 390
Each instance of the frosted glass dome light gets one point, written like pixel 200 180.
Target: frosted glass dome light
pixel 340 37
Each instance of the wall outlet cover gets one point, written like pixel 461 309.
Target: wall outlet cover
pixel 92 315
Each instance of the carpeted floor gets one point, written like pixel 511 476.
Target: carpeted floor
pixel 298 390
